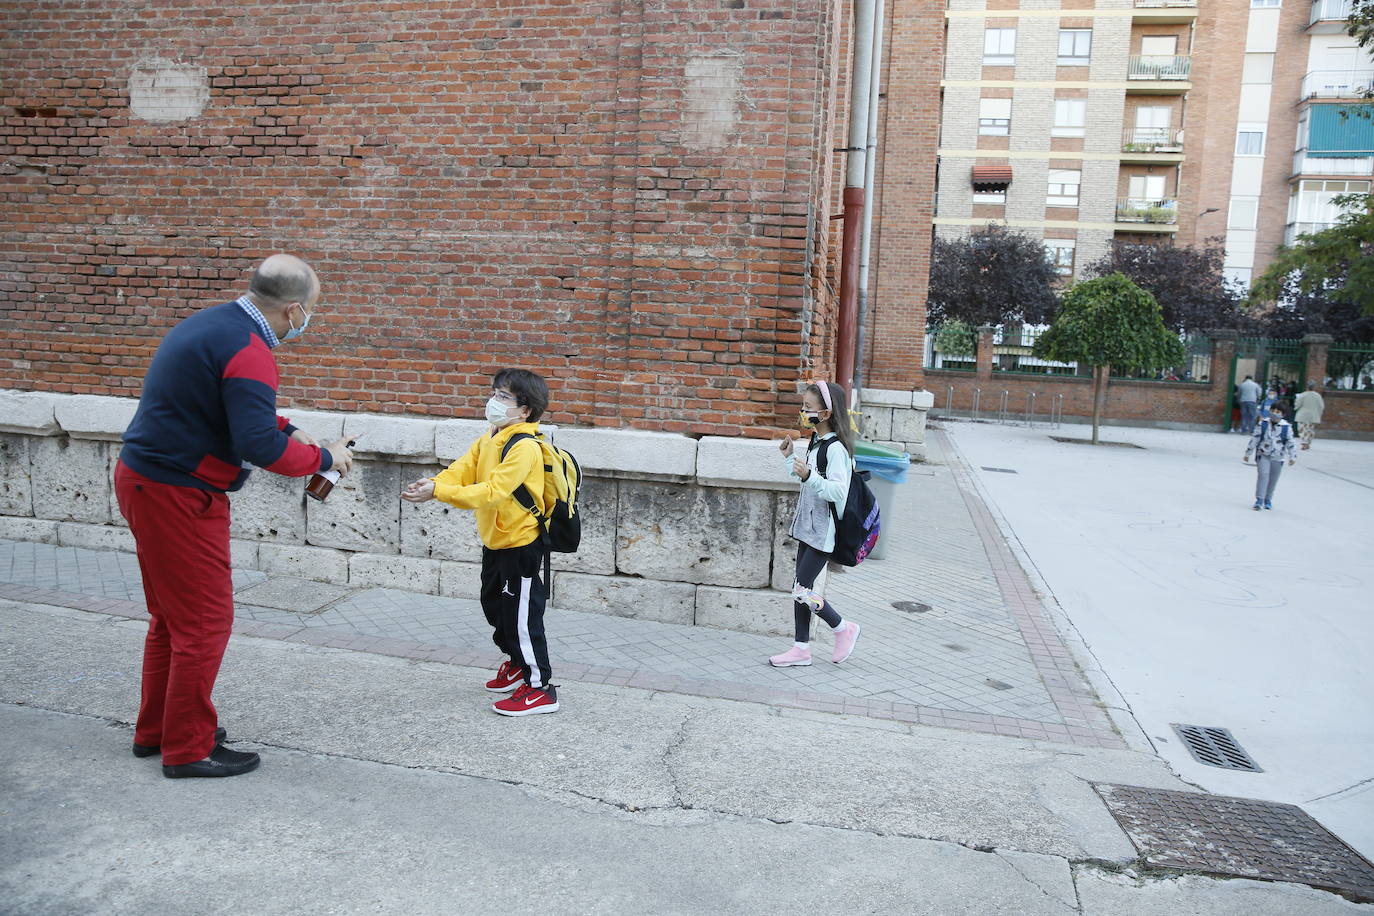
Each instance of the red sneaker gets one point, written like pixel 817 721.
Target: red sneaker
pixel 527 700
pixel 507 677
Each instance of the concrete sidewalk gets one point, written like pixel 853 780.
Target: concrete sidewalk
pixel 389 787
pixel 947 769
pixel 983 656
pixel 1204 611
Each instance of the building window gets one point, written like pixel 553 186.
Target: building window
pixel 1158 45
pixel 1239 276
pixel 1145 190
pixel 1075 47
pixel 1258 68
pixel 1061 255
pixel 990 196
pixel 999 47
pixel 1262 4
pixel 1314 205
pixel 994 117
pixel 1249 142
pixel 1063 188
pixel 1070 117
pixel 1244 213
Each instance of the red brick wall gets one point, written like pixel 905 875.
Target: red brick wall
pixel 1348 412
pixel 1128 402
pixel 617 193
pixel 909 131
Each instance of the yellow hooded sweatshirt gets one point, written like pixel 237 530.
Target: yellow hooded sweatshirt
pixel 480 480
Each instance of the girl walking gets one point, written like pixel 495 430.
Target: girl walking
pixel 821 500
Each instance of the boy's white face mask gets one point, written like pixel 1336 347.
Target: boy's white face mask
pixel 498 412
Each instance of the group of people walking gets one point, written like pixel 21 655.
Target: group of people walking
pixel 208 414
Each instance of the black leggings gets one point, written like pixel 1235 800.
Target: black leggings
pixel 805 601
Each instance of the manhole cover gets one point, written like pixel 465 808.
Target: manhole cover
pixel 1215 747
pixel 1000 470
pixel 911 607
pixel 996 684
pixel 1243 837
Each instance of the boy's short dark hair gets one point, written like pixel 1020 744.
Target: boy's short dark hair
pixel 529 390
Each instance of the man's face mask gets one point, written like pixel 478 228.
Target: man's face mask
pixel 297 331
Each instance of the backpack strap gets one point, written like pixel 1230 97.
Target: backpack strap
pixel 522 493
pixel 822 460
pixel 523 497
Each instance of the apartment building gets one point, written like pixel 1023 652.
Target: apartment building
pixel 1292 140
pixel 1065 122
pixel 1169 120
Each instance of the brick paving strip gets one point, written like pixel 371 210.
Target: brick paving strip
pixel 1082 721
pixel 1082 712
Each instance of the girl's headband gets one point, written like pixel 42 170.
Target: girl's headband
pixel 825 394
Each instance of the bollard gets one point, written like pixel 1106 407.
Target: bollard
pixel 1002 409
pixel 1030 410
pixel 949 401
pixel 977 396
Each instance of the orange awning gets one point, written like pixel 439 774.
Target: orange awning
pixel 991 177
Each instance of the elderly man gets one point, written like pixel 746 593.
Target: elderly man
pixel 1309 406
pixel 208 412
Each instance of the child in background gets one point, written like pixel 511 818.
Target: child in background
pixel 814 524
pixel 513 594
pixel 1271 443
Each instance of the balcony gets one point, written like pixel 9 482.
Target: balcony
pixel 1164 11
pixel 1336 84
pixel 1328 16
pixel 1158 73
pixel 1148 215
pixel 1293 230
pixel 1151 144
pixel 1359 163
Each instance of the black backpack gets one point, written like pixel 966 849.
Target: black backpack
pixel 558 518
pixel 857 530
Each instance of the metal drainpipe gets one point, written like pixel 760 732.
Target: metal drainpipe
pixel 854 190
pixel 870 173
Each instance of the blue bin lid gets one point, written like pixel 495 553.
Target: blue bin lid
pixel 890 469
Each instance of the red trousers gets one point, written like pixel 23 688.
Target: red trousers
pixel 183 553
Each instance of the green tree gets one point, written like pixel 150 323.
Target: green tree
pixel 956 338
pixel 1106 322
pixel 1333 267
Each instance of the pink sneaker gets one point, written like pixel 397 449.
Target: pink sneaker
pixel 791 658
pixel 844 641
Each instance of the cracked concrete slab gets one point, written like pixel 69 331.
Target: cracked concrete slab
pixel 287 593
pixel 625 748
pixel 320 834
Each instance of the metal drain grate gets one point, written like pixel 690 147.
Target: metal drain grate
pixel 1222 835
pixel 911 607
pixel 1215 747
pixel 1000 470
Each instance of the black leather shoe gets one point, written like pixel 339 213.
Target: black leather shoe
pixel 221 762
pixel 148 750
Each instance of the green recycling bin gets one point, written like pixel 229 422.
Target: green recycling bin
pixel 887 469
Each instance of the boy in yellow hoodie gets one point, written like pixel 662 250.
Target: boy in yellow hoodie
pixel 513 594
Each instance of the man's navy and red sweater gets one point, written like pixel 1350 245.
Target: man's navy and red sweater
pixel 209 408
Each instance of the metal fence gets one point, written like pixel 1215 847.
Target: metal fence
pixel 1350 367
pixel 1013 350
pixel 1196 366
